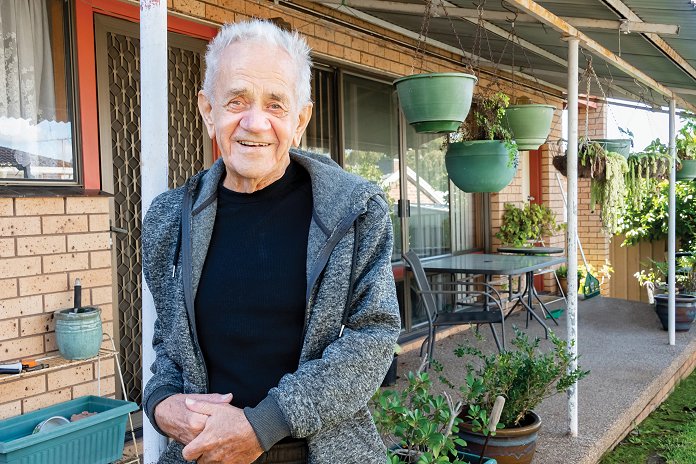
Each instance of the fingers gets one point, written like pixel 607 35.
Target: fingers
pixel 201 407
pixel 195 448
pixel 211 397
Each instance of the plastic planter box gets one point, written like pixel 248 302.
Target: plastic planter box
pixel 94 440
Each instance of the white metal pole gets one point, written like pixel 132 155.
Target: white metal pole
pixel 671 231
pixel 572 188
pixel 153 167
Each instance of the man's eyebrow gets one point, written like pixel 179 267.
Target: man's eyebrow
pixel 238 92
pixel 281 97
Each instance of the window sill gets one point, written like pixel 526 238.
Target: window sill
pixel 28 191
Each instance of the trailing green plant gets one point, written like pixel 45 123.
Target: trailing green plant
pixel 648 220
pixel 610 192
pixel 645 170
pixel 486 121
pixel 528 224
pixel 422 426
pixel 524 376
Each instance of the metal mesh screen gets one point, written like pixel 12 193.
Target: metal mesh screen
pixel 186 157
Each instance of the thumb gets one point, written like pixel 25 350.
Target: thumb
pixel 201 407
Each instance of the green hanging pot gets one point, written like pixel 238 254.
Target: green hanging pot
pixel 620 146
pixel 687 171
pixel 480 165
pixel 529 124
pixel 435 102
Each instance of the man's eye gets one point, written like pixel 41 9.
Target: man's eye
pixel 277 109
pixel 235 105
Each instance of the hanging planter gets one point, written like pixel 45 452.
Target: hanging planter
pixel 480 165
pixel 620 146
pixel 435 102
pixel 529 124
pixel 687 171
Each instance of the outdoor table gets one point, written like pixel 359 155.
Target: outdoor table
pixel 531 251
pixel 495 264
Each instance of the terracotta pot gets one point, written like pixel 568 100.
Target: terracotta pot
pixel 514 445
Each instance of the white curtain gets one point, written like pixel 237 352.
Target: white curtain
pixel 26 67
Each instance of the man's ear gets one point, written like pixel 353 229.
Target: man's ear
pixel 302 121
pixel 206 108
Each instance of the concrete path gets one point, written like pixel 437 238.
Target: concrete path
pixel 632 366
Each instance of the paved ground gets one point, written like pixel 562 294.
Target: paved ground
pixel 630 360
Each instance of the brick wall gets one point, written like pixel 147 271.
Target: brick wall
pixel 46 244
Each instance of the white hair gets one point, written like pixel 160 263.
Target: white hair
pixel 265 31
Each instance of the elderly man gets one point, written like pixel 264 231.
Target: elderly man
pixel 271 276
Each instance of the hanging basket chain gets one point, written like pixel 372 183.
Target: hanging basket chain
pixel 419 57
pixel 468 66
pixel 476 46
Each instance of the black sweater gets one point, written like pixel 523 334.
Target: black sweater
pixel 250 303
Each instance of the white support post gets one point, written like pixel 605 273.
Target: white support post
pixel 671 239
pixel 153 167
pixel 572 188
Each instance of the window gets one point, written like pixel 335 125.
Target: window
pixel 320 136
pixel 370 139
pixel 36 124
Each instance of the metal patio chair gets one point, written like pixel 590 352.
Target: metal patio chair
pixel 480 305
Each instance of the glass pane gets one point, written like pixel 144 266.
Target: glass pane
pixel 371 140
pixel 428 194
pixel 320 136
pixel 35 122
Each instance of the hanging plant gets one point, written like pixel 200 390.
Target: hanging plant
pixel 610 193
pixel 591 160
pixel 686 150
pixel 645 171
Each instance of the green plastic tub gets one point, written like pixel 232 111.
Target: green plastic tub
pixel 97 439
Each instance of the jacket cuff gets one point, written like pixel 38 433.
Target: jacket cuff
pixel 155 398
pixel 268 422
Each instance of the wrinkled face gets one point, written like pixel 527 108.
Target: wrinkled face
pixel 254 115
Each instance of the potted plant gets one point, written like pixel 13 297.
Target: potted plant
pixel 645 171
pixel 654 279
pixel 435 102
pixel 528 225
pixel 562 274
pixel 421 426
pixel 524 376
pixel 686 150
pixel 529 123
pixel 481 156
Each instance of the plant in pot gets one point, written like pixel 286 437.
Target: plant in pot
pixel 654 279
pixel 524 376
pixel 645 171
pixel 528 225
pixel 562 274
pixel 686 150
pixel 529 123
pixel 481 156
pixel 420 426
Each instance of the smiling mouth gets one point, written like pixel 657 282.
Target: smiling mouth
pixel 248 143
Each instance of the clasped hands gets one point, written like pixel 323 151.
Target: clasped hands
pixel 213 430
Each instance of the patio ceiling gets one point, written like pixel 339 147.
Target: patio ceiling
pixel 664 51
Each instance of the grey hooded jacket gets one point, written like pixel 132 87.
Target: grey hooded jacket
pixel 325 399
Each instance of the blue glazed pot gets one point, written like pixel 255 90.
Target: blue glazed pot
pixel 78 334
pixel 684 311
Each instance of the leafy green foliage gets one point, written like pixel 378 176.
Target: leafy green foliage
pixel 610 192
pixel 523 376
pixel 645 171
pixel 486 122
pixel 531 223
pixel 423 426
pixel 657 271
pixel 649 219
pixel 686 140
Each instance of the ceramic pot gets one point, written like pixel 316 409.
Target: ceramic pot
pixel 435 102
pixel 529 124
pixel 684 311
pixel 78 334
pixel 480 165
pixel 514 445
pixel 687 171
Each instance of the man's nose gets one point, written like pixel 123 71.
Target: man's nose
pixel 255 120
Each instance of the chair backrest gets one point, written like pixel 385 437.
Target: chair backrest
pixel 422 283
